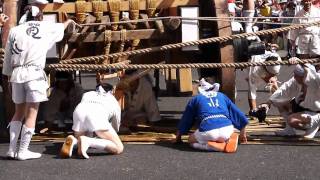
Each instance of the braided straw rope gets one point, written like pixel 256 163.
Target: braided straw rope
pixel 134 11
pixel 80 11
pixel 151 7
pixel 114 6
pixel 190 43
pixel 97 7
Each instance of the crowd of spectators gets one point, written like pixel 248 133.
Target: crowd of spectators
pixel 271 14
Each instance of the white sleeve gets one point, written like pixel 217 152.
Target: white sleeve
pixel 55 33
pixel 312 75
pixel 286 92
pixel 116 119
pixel 7 68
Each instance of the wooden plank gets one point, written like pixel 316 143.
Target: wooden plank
pixel 185 80
pixel 69 7
pixel 131 35
pixel 226 52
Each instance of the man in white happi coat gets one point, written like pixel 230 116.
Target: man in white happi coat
pixel 298 101
pixel 98 112
pixel 262 75
pixel 140 100
pixel 24 61
pixel 305 42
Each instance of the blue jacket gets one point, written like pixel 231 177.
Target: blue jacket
pixel 200 108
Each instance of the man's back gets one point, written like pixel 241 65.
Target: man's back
pixel 30 41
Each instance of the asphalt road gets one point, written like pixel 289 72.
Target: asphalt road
pixel 168 161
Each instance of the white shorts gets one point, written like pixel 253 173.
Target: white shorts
pixel 90 117
pixel 31 91
pixel 220 135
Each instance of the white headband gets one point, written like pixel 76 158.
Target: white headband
pixel 34 11
pixel 204 86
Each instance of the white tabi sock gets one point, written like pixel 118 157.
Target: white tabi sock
pixel 15 128
pixel 26 136
pixel 102 144
pixel 315 119
pixel 204 147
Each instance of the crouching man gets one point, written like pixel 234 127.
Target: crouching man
pixel 298 101
pixel 217 116
pixel 98 112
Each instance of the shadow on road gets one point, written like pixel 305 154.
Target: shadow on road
pixel 53 149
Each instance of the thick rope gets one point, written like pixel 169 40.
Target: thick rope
pixel 124 65
pixel 190 43
pixel 119 66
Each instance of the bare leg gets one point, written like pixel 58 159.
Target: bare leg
pixel 31 114
pixel 299 121
pixel 285 109
pixel 19 112
pixel 112 136
pixel 252 104
pixel 109 142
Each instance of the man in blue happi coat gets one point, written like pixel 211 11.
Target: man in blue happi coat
pixel 217 117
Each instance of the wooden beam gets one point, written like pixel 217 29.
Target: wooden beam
pixel 69 7
pixel 131 35
pixel 224 29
